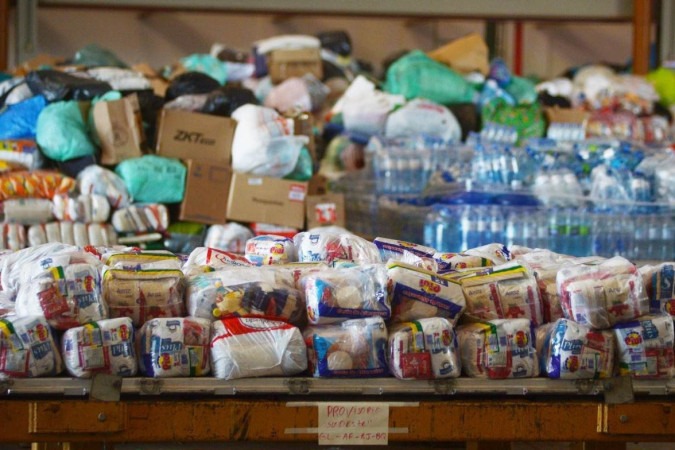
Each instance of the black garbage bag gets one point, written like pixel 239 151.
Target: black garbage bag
pixel 336 41
pixel 57 86
pixel 150 105
pixel 190 83
pixel 223 101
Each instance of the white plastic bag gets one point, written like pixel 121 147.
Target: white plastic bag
pixel 230 237
pixel 27 348
pixel 270 249
pixel 331 244
pixel 645 347
pixel 421 116
pixel 98 180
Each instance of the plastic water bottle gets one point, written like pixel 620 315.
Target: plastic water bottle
pixel 442 229
pixel 668 238
pixel 495 232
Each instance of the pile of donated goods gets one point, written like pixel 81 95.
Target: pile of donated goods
pixel 322 302
pixel 328 304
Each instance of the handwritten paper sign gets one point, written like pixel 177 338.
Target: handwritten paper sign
pixel 348 423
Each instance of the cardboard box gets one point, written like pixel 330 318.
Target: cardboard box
pixel 284 64
pixel 254 198
pixel 120 129
pixel 206 192
pixel 158 83
pixel 555 114
pixel 190 135
pixel 324 210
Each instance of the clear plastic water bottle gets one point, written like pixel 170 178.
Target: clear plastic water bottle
pixel 495 226
pixel 668 238
pixel 442 228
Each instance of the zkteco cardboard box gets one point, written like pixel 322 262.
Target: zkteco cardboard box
pixel 254 198
pixel 206 191
pixel 284 64
pixel 324 210
pixel 190 135
pixel 120 129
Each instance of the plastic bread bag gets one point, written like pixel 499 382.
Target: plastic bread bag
pixel 230 237
pixel 269 249
pixel 331 244
pixel 144 294
pixel 659 282
pixel 573 351
pixel 497 349
pixel 240 291
pixel 604 294
pixel 27 211
pixel 508 291
pixel 645 347
pixel 355 348
pixel 247 347
pixel 12 236
pixel 485 256
pixel 99 180
pixel 335 295
pixel 141 218
pixel 36 184
pixel 105 346
pixel 67 295
pixel 417 294
pixel 136 259
pixel 174 347
pixel 86 208
pixel 28 348
pixel 424 349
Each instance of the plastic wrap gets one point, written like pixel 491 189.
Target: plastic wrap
pixel 253 347
pixel 659 282
pixel 240 292
pixel 141 260
pixel 207 259
pixel 270 249
pixel 645 347
pixel 27 211
pixel 602 295
pixel 141 218
pixel 424 349
pixel 508 291
pixel 418 294
pixel 22 153
pixel 174 347
pixel 354 348
pixel 335 295
pixel 230 237
pixel 106 346
pixel 572 351
pixel 37 184
pixel 98 180
pixel 153 178
pixel 12 237
pixel 57 85
pixel 398 250
pixel 28 348
pixel 86 208
pixel 144 294
pixel 496 349
pixel 332 244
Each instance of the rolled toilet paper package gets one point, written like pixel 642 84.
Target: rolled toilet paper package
pixel 659 282
pixel 645 347
pixel 174 347
pixel 27 211
pixel 244 347
pixel 354 348
pixel 334 295
pixel 508 291
pixel 141 218
pixel 496 349
pixel 424 349
pixel 245 291
pixel 602 295
pixel 573 351
pixel 85 208
pixel 417 294
pixel 144 294
pixel 28 348
pixel 330 244
pixel 12 236
pixel 67 295
pixel 104 346
pixel 270 249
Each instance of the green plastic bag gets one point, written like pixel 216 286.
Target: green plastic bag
pixel 93 55
pixel 415 75
pixel 153 179
pixel 303 168
pixel 207 64
pixel 62 133
pixel 528 120
pixel 663 80
pixel 522 90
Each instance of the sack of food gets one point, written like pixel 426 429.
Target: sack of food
pixel 207 259
pixel 335 295
pixel 144 294
pixel 136 259
pixel 254 347
pixel 604 294
pixel 269 249
pixel 354 348
pixel 331 244
pixel 27 348
pixel 502 348
pixel 417 294
pixel 104 346
pixel 645 347
pixel 484 256
pixel 573 351
pixel 659 282
pixel 424 349
pixel 174 347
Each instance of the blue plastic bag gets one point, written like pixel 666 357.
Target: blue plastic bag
pixel 62 132
pixel 19 121
pixel 153 179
